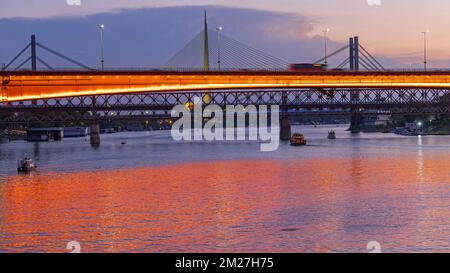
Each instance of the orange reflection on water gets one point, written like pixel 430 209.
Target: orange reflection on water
pixel 258 205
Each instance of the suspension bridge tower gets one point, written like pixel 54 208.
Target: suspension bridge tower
pixel 206 97
pixel 355 117
pixel 205 46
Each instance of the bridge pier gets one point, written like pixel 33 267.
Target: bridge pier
pixel 95 134
pixel 285 128
pixel 355 117
pixel 355 122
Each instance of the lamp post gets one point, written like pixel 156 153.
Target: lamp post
pixel 325 32
pixel 425 48
pixel 219 29
pixel 102 59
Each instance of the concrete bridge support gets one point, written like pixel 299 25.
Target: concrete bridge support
pixel 285 128
pixel 355 121
pixel 95 134
pixel 356 117
pixel 285 120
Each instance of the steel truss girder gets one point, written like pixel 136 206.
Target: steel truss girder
pixel 158 105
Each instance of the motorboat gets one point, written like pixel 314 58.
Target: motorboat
pixel 331 135
pixel 26 165
pixel 298 140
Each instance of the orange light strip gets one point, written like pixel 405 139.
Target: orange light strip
pixel 33 87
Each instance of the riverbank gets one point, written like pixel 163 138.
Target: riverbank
pixel 13 134
pixel 426 129
pixel 440 131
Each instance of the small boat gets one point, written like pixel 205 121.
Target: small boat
pixel 331 135
pixel 26 165
pixel 298 140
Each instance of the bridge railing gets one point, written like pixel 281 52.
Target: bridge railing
pixel 171 69
pixel 249 69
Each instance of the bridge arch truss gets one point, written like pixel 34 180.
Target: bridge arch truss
pixel 158 105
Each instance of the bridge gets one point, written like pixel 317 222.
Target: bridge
pixel 92 94
pixel 39 85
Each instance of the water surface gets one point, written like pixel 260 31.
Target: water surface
pixel 155 195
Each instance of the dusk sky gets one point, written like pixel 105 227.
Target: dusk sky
pixel 289 29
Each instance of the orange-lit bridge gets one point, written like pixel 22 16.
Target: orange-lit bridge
pixel 27 85
pixel 71 96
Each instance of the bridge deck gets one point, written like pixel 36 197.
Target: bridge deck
pixel 33 85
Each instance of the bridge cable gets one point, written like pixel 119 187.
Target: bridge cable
pixel 22 64
pixel 45 64
pixel 64 57
pixel 332 54
pixel 246 58
pixel 363 65
pixel 229 63
pixel 17 56
pixel 367 59
pixel 236 55
pixel 186 50
pixel 253 59
pixel 366 64
pixel 265 56
pixel 375 60
pixel 344 63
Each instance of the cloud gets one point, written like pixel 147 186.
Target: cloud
pixel 289 27
pixel 149 37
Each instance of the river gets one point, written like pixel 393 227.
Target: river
pixel 152 194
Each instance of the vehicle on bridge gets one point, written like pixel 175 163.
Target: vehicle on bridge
pixel 307 67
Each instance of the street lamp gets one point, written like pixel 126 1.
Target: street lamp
pixel 325 32
pixel 101 27
pixel 425 48
pixel 219 29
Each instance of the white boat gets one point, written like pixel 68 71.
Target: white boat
pixel 331 135
pixel 26 165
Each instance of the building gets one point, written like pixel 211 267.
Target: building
pixel 45 134
pixel 75 131
pixel 376 119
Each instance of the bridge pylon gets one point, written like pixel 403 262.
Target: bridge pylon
pixel 355 117
pixel 34 58
pixel 95 134
pixel 206 97
pixel 33 53
pixel 285 119
pixel 358 57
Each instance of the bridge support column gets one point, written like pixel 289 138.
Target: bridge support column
pixel 95 134
pixel 355 116
pixel 33 53
pixel 355 122
pixel 285 120
pixel 285 127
